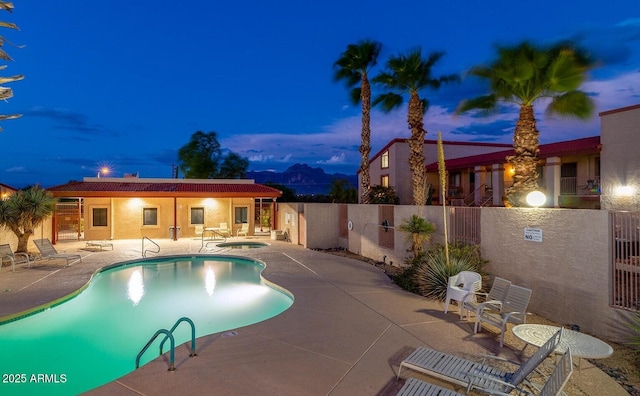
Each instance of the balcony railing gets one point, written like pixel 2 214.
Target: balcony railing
pixel 570 186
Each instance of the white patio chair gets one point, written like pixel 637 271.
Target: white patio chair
pixel 244 230
pixel 461 287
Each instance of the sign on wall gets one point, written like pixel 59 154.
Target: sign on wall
pixel 533 234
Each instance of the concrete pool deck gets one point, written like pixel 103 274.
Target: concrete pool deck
pixel 346 333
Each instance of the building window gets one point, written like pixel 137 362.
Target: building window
pixel 150 216
pixel 241 215
pixel 384 160
pixel 99 217
pixel 384 181
pixel 197 216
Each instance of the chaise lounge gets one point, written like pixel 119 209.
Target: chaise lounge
pixel 50 253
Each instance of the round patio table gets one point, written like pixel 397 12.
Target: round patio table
pixel 582 345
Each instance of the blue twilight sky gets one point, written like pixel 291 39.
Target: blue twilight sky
pixel 127 84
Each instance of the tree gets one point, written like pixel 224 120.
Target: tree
pixel 24 211
pixel 6 92
pixel 342 192
pixel 383 195
pixel 353 67
pixel 202 158
pixel 409 74
pixel 419 232
pixel 522 75
pixel 288 194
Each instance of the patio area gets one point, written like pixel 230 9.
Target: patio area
pixel 346 333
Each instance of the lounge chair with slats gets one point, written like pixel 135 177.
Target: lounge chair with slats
pixel 478 375
pixel 50 253
pixel 552 387
pixel 6 254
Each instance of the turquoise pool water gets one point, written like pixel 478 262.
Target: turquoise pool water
pixel 95 337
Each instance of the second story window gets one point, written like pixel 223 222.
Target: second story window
pixel 384 160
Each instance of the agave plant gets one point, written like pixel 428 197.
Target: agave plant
pixel 432 274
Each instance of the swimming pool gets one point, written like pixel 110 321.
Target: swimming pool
pixel 94 337
pixel 242 245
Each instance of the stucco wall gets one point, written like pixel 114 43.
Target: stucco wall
pixel 569 271
pixel 127 216
pixel 619 158
pixel 43 231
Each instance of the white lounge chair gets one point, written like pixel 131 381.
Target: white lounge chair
pixel 224 230
pixel 514 310
pixel 49 252
pixel 7 254
pixel 552 387
pixel 495 297
pixel 478 375
pixel 461 287
pixel 244 230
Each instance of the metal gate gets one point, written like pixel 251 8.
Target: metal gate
pixel 68 220
pixel 625 252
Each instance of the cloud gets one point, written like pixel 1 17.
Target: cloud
pixel 70 121
pixel 16 169
pixel 335 159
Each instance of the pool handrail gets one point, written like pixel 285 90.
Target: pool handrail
pixel 172 366
pixel 144 252
pixel 192 352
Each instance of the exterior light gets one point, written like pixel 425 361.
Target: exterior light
pixel 536 199
pixel 625 191
pixel 103 171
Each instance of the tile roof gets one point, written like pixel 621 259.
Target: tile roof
pixel 584 146
pixel 139 187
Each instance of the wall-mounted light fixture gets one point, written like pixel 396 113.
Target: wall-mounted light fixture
pixel 625 191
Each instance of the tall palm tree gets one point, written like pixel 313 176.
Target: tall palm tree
pixel 6 92
pixel 23 211
pixel 353 67
pixel 409 74
pixel 522 75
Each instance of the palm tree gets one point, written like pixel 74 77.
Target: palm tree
pixel 410 73
pixel 6 92
pixel 419 232
pixel 353 65
pixel 23 211
pixel 522 75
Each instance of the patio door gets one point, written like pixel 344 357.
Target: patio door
pixel 68 220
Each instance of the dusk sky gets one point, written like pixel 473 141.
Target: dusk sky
pixel 127 84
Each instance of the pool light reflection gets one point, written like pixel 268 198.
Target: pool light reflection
pixel 210 281
pixel 135 287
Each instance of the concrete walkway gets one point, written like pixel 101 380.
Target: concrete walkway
pixel 346 333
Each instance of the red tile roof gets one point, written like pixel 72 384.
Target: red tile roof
pixel 140 187
pixel 584 146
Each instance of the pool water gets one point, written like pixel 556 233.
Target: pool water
pixel 242 245
pixel 95 337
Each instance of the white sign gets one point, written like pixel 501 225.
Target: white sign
pixel 533 234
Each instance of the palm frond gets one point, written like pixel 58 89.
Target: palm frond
pixel 388 101
pixel 574 104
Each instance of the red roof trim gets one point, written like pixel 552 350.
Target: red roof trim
pixel 584 146
pixel 163 189
pixel 620 110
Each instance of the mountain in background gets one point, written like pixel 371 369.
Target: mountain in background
pixel 302 178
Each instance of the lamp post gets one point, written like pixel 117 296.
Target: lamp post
pixel 104 170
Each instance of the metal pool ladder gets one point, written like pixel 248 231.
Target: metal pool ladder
pixel 144 252
pixel 169 335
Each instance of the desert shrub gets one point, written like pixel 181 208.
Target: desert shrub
pixel 429 273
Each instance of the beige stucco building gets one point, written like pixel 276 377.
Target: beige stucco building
pixel 477 173
pixel 130 208
pixel 620 134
